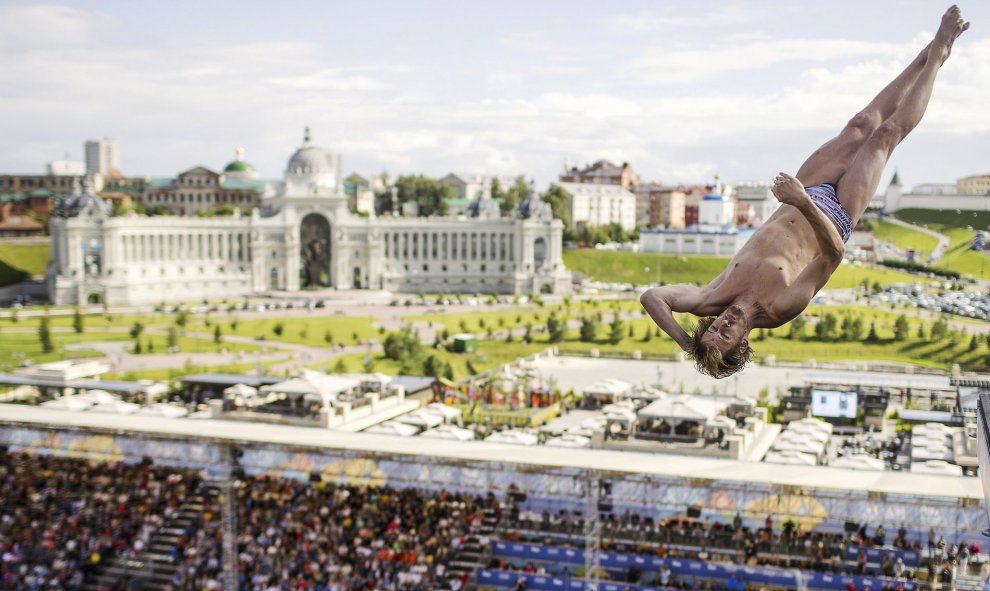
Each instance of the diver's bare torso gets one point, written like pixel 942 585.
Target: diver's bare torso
pixel 766 266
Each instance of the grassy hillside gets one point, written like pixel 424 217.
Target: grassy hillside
pixel 19 261
pixel 631 267
pixel 960 227
pixel 903 238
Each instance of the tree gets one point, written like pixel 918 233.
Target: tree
pixel 901 328
pixel 432 366
pixel 555 328
pixel 514 195
pixel 826 327
pixel 45 335
pixel 940 328
pixel 528 337
pixel 402 345
pixel 616 330
pixel 851 329
pixel 278 329
pixel 172 340
pixel 589 329
pixel 647 335
pixel 974 343
pixel 429 194
pixel 796 330
pixel 340 366
pixel 872 337
pixel 921 331
pixel 77 320
pixel 136 330
pixel 182 318
pixel 327 336
pixel 556 196
pixel 217 334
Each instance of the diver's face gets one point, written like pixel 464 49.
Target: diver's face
pixel 727 332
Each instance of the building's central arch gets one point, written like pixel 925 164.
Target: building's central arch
pixel 314 239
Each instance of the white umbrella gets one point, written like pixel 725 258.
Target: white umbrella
pixel 512 436
pixel 162 409
pixel 393 428
pixel 449 432
pixel 569 440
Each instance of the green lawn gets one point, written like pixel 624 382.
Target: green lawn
pixel 20 261
pixel 939 354
pixel 310 330
pixel 16 347
pixel 903 238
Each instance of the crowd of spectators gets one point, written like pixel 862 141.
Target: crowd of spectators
pixel 788 545
pixel 62 518
pixel 326 537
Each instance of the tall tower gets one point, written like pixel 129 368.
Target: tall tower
pixel 101 156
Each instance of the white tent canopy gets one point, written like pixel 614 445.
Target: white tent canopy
pixel 449 432
pixel 99 397
pixel 116 407
pixel 859 462
pixel 808 432
pixel 813 423
pixel 936 467
pixel 163 410
pixel 241 390
pixel 790 457
pixel 682 408
pixel 421 419
pixel 796 441
pixel 569 440
pixel 449 413
pixel 512 436
pixel 68 403
pixel 313 386
pixel 608 387
pixel 393 428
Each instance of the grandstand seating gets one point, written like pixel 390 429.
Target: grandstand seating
pixel 70 524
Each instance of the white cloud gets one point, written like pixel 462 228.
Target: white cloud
pixel 651 22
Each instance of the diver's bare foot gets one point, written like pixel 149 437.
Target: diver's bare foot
pixel 951 27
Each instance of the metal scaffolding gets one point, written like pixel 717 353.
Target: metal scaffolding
pixel 228 520
pixel 592 532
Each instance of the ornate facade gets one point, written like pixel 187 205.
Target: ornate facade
pixel 303 236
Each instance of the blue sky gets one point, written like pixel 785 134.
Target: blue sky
pixel 682 90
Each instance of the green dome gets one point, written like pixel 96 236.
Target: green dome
pixel 239 166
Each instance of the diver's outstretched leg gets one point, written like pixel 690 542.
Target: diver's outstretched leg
pixel 829 162
pixel 857 186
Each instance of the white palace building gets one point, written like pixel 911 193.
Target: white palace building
pixel 302 237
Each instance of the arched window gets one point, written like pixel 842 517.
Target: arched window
pixel 539 252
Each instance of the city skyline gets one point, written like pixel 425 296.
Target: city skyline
pixel 738 89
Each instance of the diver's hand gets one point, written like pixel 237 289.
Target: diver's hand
pixel 789 190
